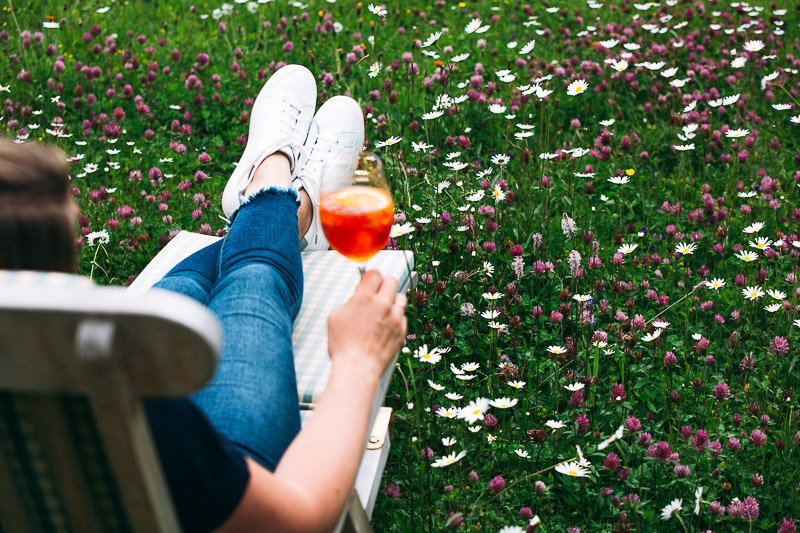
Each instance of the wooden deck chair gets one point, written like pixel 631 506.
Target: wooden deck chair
pixel 75 450
pixel 329 280
pixel 75 447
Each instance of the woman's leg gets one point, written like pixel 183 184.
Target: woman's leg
pixel 196 275
pixel 252 398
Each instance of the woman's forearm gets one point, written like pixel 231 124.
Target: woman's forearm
pixel 325 456
pixel 312 482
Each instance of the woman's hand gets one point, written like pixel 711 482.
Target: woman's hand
pixel 369 329
pixel 308 491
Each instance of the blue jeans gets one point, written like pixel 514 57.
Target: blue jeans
pixel 253 281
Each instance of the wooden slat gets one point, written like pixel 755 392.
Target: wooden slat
pixel 356 520
pixel 125 432
pixel 52 425
pixel 169 342
pixel 12 509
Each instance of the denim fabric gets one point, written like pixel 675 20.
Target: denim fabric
pixel 253 280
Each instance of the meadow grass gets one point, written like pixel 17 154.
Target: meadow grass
pixel 602 201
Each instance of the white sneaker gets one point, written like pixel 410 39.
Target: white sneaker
pixel 334 141
pixel 279 122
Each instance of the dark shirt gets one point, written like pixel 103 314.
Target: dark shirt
pixel 207 477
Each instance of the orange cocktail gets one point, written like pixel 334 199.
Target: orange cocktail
pixel 357 220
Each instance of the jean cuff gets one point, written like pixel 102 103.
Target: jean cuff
pixel 268 191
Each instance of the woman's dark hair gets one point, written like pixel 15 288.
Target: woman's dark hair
pixel 36 226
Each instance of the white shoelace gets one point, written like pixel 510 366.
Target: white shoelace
pixel 290 117
pixel 318 154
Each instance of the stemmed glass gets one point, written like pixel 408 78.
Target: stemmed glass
pixel 356 209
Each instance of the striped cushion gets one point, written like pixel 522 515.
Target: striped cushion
pixel 329 280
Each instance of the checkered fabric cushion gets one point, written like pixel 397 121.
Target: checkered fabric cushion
pixel 329 280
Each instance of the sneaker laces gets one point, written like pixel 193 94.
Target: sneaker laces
pixel 318 153
pixel 290 119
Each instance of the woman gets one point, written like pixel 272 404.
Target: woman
pixel 234 455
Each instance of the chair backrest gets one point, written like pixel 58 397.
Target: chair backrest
pixel 76 452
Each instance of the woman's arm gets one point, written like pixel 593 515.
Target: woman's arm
pixel 312 482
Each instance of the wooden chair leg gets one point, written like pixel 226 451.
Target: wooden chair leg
pixel 355 519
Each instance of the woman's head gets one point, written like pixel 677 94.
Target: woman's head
pixel 37 212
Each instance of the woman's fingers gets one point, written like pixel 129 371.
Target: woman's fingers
pixel 387 292
pixel 370 282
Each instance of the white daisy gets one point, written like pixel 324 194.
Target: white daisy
pixel 522 453
pixel 753 46
pixel 650 337
pixel 435 386
pixel 448 412
pixel 389 142
pixel 582 461
pixel 421 147
pixel 374 69
pixel 503 403
pixel 490 314
pixel 761 243
pixel 698 494
pixel 98 237
pixel 398 230
pixel 683 147
pixel 573 469
pixel 577 87
pixel 755 227
pixel 527 48
pixel 777 295
pixel 747 256
pixel 500 159
pixel 448 460
pixel 432 38
pixel 753 293
pixel 671 508
pixel 684 248
pixel 474 411
pixel 476 26
pixel 614 437
pixel 378 11
pixel 433 356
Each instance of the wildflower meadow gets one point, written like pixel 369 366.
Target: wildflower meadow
pixel 601 195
